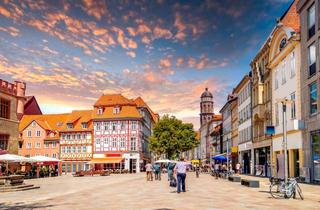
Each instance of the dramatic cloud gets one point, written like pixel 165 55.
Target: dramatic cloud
pixel 164 51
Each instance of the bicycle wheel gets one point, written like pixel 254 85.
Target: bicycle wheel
pixel 276 192
pixel 299 191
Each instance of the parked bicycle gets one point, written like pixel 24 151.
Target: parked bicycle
pixel 278 188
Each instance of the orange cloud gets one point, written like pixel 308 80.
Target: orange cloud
pixel 5 12
pixel 132 44
pixel 131 54
pixel 180 62
pixel 11 30
pixel 146 40
pixel 165 63
pixel 131 31
pixel 159 32
pixel 95 8
pixel 76 59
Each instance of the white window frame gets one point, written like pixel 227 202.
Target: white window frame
pixel 292 64
pixel 293 105
pixel 29 133
pixel 38 133
pixel 114 142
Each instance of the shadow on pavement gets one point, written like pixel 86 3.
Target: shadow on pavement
pixel 16 206
pixel 164 209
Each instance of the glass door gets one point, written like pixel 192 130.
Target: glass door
pixel 315 139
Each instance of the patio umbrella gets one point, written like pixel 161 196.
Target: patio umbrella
pixel 44 159
pixel 163 161
pixel 220 158
pixel 13 159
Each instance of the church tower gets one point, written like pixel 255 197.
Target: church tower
pixel 206 107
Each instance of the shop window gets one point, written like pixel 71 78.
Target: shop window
pixel 315 141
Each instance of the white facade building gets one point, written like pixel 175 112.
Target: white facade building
pixel 245 149
pixel 285 65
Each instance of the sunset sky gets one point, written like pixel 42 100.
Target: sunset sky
pixel 167 52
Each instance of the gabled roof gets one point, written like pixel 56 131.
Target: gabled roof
pixel 33 110
pixel 140 103
pixel 113 100
pixel 46 121
pixel 77 117
pixel 125 112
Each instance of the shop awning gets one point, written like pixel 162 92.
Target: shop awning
pixel 106 160
pixel 195 162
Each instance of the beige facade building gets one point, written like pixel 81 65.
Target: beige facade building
pixel 12 97
pixel 309 11
pixel 261 111
pixel 284 64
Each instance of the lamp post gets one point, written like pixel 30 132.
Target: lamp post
pixel 227 156
pixel 284 103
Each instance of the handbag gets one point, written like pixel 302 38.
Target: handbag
pixel 173 183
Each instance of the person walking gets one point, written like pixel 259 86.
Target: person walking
pixel 170 171
pixel 216 169
pixel 238 166
pixel 180 170
pixel 149 169
pixel 197 170
pixel 157 171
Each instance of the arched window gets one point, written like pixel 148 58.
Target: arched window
pixel 282 43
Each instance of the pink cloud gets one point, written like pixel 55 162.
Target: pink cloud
pixel 165 63
pixel 131 54
pixel 132 44
pixel 95 8
pixel 11 30
pixel 159 32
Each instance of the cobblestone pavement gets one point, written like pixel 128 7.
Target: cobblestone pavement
pixel 131 192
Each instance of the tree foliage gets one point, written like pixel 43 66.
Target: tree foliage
pixel 171 137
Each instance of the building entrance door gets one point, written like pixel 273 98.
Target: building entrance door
pixel 133 165
pixel 246 163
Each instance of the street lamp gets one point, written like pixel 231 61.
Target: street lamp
pixel 227 156
pixel 284 103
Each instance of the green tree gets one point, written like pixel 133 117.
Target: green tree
pixel 171 137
